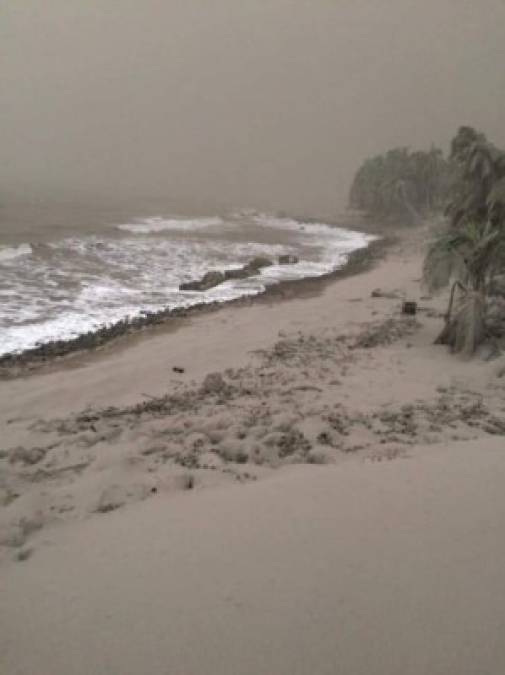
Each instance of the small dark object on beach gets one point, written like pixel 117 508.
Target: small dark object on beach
pixel 178 369
pixel 389 295
pixel 409 307
pixel 189 482
pixel 24 554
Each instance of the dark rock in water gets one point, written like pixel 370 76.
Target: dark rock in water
pixel 250 269
pixel 258 263
pixel 212 279
pixel 288 259
pixel 238 273
pixel 209 280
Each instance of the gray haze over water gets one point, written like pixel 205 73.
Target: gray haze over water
pixel 196 106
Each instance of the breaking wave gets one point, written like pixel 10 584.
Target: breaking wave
pixel 71 286
pixel 12 252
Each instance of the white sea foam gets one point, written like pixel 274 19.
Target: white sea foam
pixel 79 284
pixel 159 224
pixel 12 252
pixel 334 244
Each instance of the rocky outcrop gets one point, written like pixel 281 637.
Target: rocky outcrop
pixel 212 279
pixel 258 263
pixel 288 259
pixel 209 280
pixel 250 269
pixel 238 273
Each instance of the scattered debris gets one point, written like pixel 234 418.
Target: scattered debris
pixel 389 295
pixel 27 455
pixel 384 333
pixel 24 554
pixel 409 307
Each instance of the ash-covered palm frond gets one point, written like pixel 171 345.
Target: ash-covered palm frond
pixel 486 253
pixel 496 200
pixel 467 258
pixel 445 260
pixel 476 194
pixel 466 330
pixel 471 254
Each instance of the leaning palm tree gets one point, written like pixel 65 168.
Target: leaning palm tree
pixel 481 166
pixel 467 258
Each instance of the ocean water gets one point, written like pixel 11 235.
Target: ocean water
pixel 62 287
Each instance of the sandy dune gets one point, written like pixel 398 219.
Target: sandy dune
pixel 242 516
pixel 380 567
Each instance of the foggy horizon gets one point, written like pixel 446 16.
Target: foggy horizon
pixel 264 104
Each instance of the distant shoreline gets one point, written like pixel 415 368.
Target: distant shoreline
pixel 20 364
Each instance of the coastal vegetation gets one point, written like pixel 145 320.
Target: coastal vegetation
pixel 402 184
pixel 468 252
pixel 469 257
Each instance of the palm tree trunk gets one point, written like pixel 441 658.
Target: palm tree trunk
pixel 456 284
pixel 446 335
pixel 467 329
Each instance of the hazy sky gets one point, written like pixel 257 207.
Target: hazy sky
pixel 267 103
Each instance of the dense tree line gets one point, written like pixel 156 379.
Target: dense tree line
pixel 402 183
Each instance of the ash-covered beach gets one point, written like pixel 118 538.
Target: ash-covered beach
pixel 318 451
pixel 252 337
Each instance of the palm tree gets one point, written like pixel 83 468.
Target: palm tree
pixel 468 257
pixel 471 251
pixel 481 168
